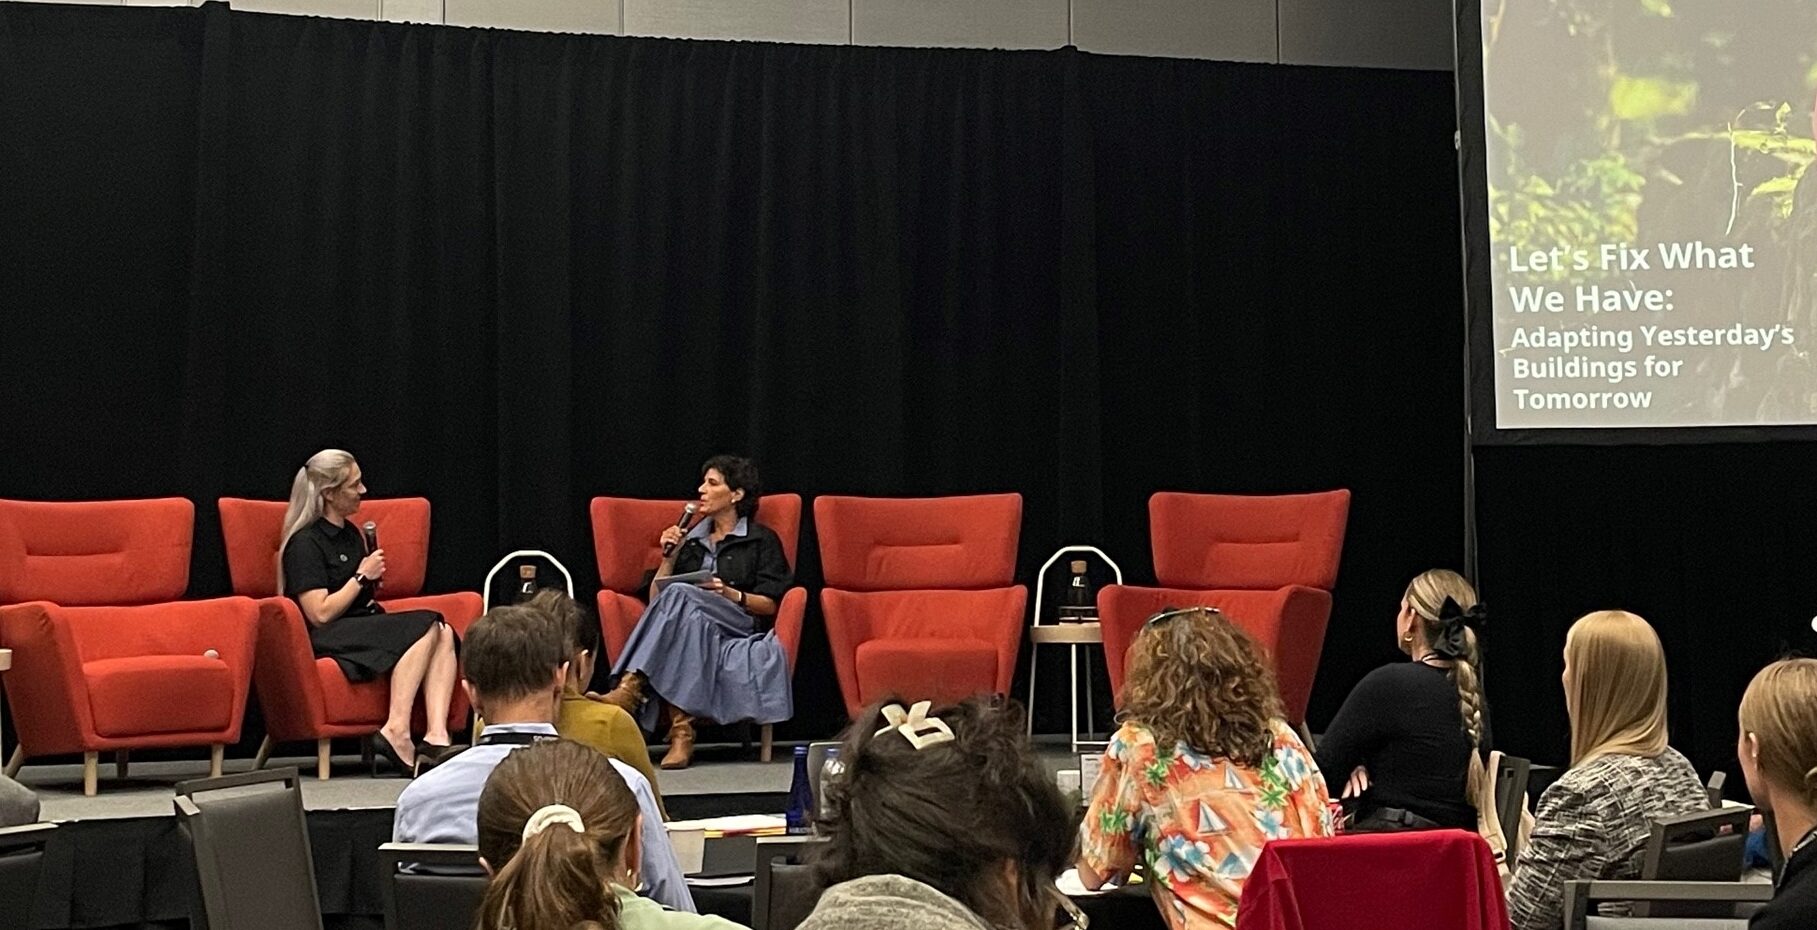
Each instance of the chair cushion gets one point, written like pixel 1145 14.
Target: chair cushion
pixel 347 703
pixel 146 695
pixel 940 670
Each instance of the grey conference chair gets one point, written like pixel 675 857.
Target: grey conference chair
pixel 1720 898
pixel 786 888
pixel 21 862
pixel 1511 798
pixel 1713 787
pixel 251 847
pixel 430 886
pixel 1702 846
pixel 817 753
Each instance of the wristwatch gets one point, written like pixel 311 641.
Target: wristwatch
pixel 362 579
pixel 741 598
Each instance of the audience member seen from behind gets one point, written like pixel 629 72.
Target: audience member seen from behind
pixel 1594 821
pixel 1202 772
pixel 941 821
pixel 1778 749
pixel 559 832
pixel 1399 750
pixel 515 664
pixel 586 718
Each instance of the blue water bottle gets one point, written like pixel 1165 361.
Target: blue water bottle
pixel 800 813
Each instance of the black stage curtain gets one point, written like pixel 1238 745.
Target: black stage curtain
pixel 514 271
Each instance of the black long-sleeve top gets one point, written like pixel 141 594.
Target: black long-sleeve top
pixel 1403 723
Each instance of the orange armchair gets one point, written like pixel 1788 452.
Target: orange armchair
pixel 625 532
pixel 1269 563
pixel 919 599
pixel 305 698
pixel 105 656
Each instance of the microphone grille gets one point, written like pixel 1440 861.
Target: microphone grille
pixel 370 526
pixel 691 508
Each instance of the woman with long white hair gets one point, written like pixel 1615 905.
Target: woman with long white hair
pixel 323 565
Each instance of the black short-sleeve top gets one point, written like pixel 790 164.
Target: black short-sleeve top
pixel 322 555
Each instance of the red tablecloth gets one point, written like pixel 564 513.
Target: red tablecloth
pixel 1441 879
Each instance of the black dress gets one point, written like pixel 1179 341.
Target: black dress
pixel 365 641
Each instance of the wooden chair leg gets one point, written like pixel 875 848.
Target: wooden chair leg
pixel 121 758
pixel 216 754
pixel 769 734
pixel 264 756
pixel 16 762
pixel 91 774
pixel 321 758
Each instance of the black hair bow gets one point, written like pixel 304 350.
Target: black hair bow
pixel 1453 620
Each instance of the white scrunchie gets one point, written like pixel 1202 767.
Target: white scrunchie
pixel 553 814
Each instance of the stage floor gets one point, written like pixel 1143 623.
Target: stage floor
pixel 147 791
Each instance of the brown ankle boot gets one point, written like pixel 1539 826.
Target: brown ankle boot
pixel 628 695
pixel 681 739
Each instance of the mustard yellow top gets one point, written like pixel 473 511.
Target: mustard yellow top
pixel 607 728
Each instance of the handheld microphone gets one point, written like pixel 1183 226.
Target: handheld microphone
pixel 687 513
pixel 371 531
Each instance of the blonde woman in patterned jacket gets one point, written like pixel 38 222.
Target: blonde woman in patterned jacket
pixel 1593 822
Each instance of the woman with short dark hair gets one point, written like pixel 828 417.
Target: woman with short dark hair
pixel 708 650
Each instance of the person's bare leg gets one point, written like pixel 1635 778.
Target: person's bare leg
pixel 406 678
pixel 438 686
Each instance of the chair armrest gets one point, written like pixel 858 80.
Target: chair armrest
pixel 459 608
pixel 25 836
pixel 1580 896
pixel 791 613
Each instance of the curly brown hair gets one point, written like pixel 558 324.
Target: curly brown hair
pixel 1195 678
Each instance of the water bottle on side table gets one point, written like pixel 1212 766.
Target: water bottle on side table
pixel 830 769
pixel 799 815
pixel 1077 604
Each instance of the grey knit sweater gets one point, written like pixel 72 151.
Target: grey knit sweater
pixel 889 902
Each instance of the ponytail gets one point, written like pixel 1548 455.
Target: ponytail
pixel 1465 674
pixel 553 819
pixel 552 883
pixel 1449 615
pixel 324 470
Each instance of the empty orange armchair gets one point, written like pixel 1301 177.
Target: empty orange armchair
pixel 625 532
pixel 919 599
pixel 105 656
pixel 309 699
pixel 1269 563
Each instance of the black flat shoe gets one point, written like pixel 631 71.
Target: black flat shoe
pixel 382 747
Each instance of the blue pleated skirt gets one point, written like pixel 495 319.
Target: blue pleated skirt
pixel 702 654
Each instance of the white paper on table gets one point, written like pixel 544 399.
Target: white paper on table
pixel 736 823
pixel 1090 763
pixel 1069 885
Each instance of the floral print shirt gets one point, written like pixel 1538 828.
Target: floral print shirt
pixel 1198 821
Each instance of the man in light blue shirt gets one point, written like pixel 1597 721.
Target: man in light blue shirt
pixel 515 661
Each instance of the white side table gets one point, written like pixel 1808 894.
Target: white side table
pixel 1074 636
